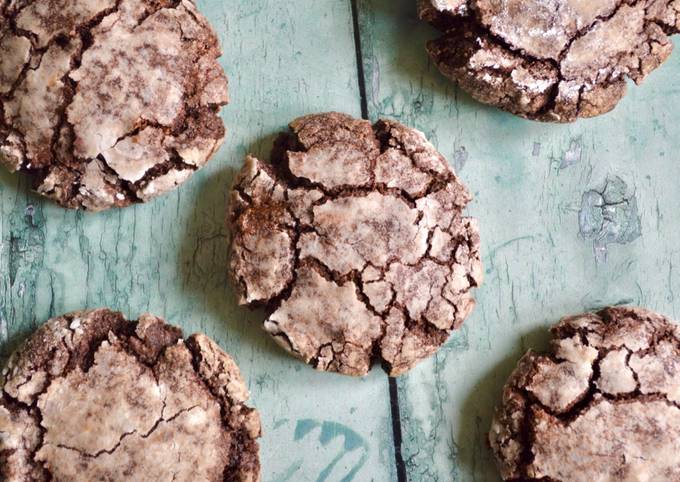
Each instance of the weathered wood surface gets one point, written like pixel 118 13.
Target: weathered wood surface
pixel 553 243
pixel 529 181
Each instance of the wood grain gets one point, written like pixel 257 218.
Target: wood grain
pixel 544 255
pixel 284 59
pixel 529 180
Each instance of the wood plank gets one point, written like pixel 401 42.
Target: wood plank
pixel 169 257
pixel 529 180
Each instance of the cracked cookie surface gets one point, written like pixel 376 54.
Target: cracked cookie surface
pixel 550 60
pixel 604 404
pixel 93 396
pixel 353 238
pixel 106 103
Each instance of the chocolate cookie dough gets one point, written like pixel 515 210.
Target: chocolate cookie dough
pixel 93 396
pixel 352 237
pixel 553 60
pixel 108 102
pixel 604 404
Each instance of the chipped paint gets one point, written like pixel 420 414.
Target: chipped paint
pixel 572 155
pixel 4 329
pixel 550 271
pixel 331 431
pixel 460 158
pixel 169 256
pixel 609 216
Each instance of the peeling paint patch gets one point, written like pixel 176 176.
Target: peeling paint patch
pixel 572 155
pixel 536 151
pixel 609 216
pixel 460 158
pixel 21 290
pixel 279 423
pixel 4 329
pixel 329 432
pixel 375 79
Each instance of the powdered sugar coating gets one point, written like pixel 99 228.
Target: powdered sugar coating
pixel 353 232
pixel 603 405
pixel 354 240
pixel 92 396
pixel 16 54
pixel 126 91
pixel 551 60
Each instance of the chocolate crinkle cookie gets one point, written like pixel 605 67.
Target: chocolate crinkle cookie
pixel 93 396
pixel 106 103
pixel 550 60
pixel 352 237
pixel 604 404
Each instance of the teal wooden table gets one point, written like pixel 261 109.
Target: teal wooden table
pixel 573 217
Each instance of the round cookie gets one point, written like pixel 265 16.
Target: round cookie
pixel 106 103
pixel 353 239
pixel 604 404
pixel 554 60
pixel 93 396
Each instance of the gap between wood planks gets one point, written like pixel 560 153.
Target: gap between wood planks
pixel 393 389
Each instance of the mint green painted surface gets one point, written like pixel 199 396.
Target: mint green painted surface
pixel 529 180
pixel 544 255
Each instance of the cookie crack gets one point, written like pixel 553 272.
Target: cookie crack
pixel 197 358
pixel 4 97
pixel 525 436
pixel 63 131
pixel 600 19
pixel 383 132
pixel 276 183
pixel 547 105
pixel 285 176
pixel 126 435
pixel 173 5
pixel 123 335
pixel 32 408
pixel 84 32
pixel 504 43
pixel 282 335
pixel 669 29
pixel 240 436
